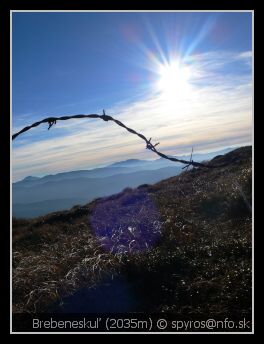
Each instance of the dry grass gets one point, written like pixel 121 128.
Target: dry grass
pixel 52 261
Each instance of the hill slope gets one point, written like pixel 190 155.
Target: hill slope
pixel 182 245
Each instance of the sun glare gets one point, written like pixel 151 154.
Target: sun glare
pixel 174 80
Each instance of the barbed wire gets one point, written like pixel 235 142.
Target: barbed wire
pixel 149 145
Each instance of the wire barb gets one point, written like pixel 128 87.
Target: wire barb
pixel 51 123
pixel 104 117
pixel 149 145
pixel 190 163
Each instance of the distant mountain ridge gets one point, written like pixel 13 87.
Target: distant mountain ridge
pixel 30 178
pixel 34 196
pixel 123 166
pixel 34 200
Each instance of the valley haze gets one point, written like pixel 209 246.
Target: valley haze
pixel 36 196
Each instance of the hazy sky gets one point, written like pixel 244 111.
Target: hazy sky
pixel 183 79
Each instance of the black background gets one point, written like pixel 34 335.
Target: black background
pixel 5 135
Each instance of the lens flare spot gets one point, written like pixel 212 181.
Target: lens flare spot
pixel 127 222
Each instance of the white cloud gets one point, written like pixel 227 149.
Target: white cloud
pixel 217 112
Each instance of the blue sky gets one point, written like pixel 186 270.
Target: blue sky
pixel 69 63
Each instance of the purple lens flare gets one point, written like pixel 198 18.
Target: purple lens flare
pixel 127 222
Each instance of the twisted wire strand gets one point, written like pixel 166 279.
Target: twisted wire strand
pixel 53 120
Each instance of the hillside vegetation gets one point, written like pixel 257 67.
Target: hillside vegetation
pixel 182 245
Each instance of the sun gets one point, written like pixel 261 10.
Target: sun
pixel 173 80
